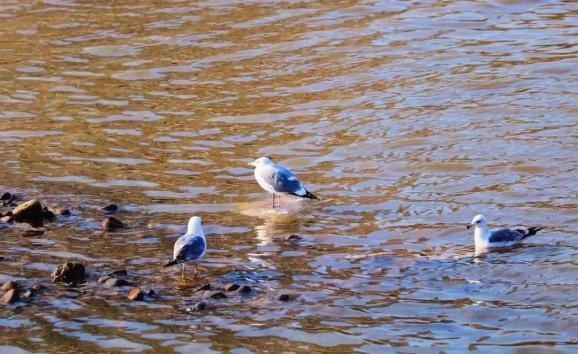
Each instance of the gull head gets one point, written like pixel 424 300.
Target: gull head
pixel 261 161
pixel 478 221
pixel 195 225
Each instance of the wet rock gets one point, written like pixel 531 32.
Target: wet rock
pixel 293 237
pixel 69 272
pixel 245 289
pixel 28 293
pixel 286 297
pixel 112 223
pixel 204 287
pixel 151 293
pixel 38 287
pixel 7 219
pixel 7 198
pixel 136 294
pixel 214 295
pixel 60 211
pixel 232 287
pixel 103 279
pixel 48 214
pixel 118 273
pixel 8 213
pixel 9 285
pixel 199 306
pixel 29 212
pixel 114 282
pixel 111 208
pixel 11 296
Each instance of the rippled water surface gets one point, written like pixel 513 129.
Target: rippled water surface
pixel 406 117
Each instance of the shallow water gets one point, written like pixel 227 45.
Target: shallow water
pixel 407 118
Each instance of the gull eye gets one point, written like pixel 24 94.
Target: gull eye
pixel 477 222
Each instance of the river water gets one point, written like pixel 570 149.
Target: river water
pixel 407 118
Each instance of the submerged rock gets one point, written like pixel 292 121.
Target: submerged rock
pixel 11 296
pixel 199 306
pixel 214 295
pixel 151 293
pixel 69 272
pixel 7 198
pixel 204 287
pixel 245 289
pixel 112 223
pixel 136 294
pixel 232 287
pixel 48 214
pixel 29 212
pixel 286 297
pixel 114 282
pixel 293 237
pixel 111 208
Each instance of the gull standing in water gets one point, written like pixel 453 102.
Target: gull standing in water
pixel 485 238
pixel 278 180
pixel 191 246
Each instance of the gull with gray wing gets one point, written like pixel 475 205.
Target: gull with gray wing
pixel 485 238
pixel 191 246
pixel 278 180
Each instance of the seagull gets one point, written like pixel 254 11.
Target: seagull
pixel 278 180
pixel 486 238
pixel 191 246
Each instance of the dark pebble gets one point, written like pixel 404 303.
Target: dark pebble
pixel 232 287
pixel 113 282
pixel 286 297
pixel 48 214
pixel 245 289
pixel 214 295
pixel 136 294
pixel 111 208
pixel 204 287
pixel 293 237
pixel 11 296
pixel 9 285
pixel 6 196
pixel 118 273
pixel 112 223
pixel 69 272
pixel 199 306
pixel 38 287
pixel 8 213
pixel 151 293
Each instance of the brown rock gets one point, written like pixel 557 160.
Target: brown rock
pixel 111 208
pixel 9 285
pixel 69 272
pixel 232 287
pixel 29 212
pixel 114 282
pixel 245 289
pixel 286 297
pixel 293 237
pixel 214 295
pixel 48 214
pixel 11 296
pixel 136 294
pixel 112 223
pixel 60 211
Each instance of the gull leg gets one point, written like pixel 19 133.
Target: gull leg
pixel 273 200
pixel 183 272
pixel 279 201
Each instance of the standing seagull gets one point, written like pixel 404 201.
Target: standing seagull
pixel 486 238
pixel 191 246
pixel 278 180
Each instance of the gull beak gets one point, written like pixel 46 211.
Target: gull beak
pixel 469 226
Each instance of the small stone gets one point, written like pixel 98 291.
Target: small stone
pixel 10 296
pixel 293 237
pixel 204 287
pixel 48 214
pixel 6 196
pixel 199 306
pixel 69 272
pixel 7 219
pixel 214 295
pixel 245 289
pixel 29 212
pixel 114 282
pixel 28 293
pixel 9 285
pixel 232 287
pixel 111 208
pixel 112 223
pixel 118 273
pixel 59 211
pixel 136 294
pixel 286 297
pixel 151 293
pixel 103 279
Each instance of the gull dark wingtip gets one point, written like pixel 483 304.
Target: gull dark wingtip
pixel 171 263
pixel 310 195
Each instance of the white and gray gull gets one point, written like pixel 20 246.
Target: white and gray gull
pixel 278 180
pixel 191 246
pixel 486 238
